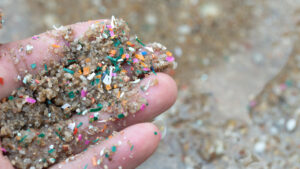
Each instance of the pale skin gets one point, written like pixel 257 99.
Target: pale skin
pixel 138 130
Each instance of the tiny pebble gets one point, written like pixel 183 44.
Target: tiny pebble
pixel 291 124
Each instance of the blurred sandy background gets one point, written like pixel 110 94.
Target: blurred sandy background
pixel 238 74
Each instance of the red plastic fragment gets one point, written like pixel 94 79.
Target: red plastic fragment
pixel 1 81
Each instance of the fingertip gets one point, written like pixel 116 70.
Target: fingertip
pixel 164 94
pixel 145 137
pixel 160 98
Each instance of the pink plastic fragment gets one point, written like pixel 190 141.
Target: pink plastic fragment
pixel 112 34
pixel 146 69
pixel 283 86
pixel 83 93
pixel 35 37
pixel 87 142
pixel 135 60
pixel 143 107
pixel 170 58
pixel 30 100
pixel 79 137
pixel 3 150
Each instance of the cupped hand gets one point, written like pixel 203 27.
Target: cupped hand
pixel 136 141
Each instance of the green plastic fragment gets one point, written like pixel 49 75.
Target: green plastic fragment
pixel 113 148
pixel 71 61
pixel 96 109
pixel 117 42
pixel 121 116
pixel 69 71
pixel 113 60
pixel 289 83
pixel 33 66
pixel 42 135
pixel 121 51
pixel 93 82
pixel 46 67
pixel 98 68
pixel 140 42
pixel 79 125
pixel 60 137
pixel 71 94
pixel 10 97
pixel 51 151
pixel 22 139
pixel 95 141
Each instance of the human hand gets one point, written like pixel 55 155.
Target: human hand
pixel 143 137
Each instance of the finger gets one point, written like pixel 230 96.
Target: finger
pixel 126 150
pixel 159 97
pixel 46 47
pixel 4 162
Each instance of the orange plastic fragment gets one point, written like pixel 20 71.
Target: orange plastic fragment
pixel 119 94
pixel 124 102
pixel 113 52
pixel 86 71
pixel 88 60
pixel 143 64
pixel 130 44
pixel 55 46
pixel 169 53
pixel 108 87
pixel 141 57
pixel 94 161
pixel 123 71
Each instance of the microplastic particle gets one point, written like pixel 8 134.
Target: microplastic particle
pixel 121 116
pixel 69 71
pixel 113 148
pixel 1 81
pixel 33 66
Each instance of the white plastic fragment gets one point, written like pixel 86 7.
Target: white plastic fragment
pixel 91 76
pixel 51 146
pixel 66 105
pixel 107 80
pixel 71 126
pixel 149 48
pixel 29 48
pixel 112 22
pixel 136 81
